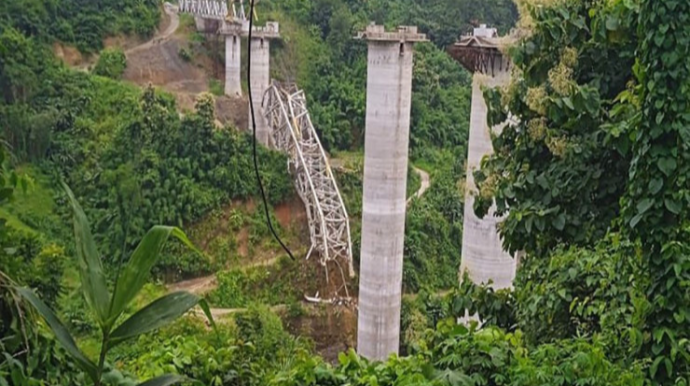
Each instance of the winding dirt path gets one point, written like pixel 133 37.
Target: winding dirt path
pixel 206 284
pixel 203 285
pixel 158 38
pixel 158 62
pixel 171 11
pixel 426 183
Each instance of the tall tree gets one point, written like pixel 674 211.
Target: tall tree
pixel 560 165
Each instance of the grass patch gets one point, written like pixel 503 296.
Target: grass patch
pixel 33 210
pixel 216 87
pixel 13 222
pixel 414 181
pixel 281 283
pixel 38 198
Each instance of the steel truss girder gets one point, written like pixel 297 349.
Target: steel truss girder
pixel 286 111
pixel 207 9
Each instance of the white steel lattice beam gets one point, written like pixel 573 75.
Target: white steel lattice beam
pixel 207 9
pixel 286 111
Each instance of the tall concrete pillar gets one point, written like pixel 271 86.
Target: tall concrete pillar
pixel 483 256
pixel 389 92
pixel 233 65
pixel 260 80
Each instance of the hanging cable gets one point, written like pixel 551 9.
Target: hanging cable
pixel 251 109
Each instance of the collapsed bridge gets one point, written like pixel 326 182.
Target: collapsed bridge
pixel 283 122
pixel 285 109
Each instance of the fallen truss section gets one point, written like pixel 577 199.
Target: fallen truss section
pixel 285 108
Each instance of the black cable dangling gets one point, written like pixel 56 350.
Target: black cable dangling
pixel 251 109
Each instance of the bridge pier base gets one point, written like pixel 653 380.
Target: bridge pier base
pixel 233 66
pixel 200 23
pixel 386 148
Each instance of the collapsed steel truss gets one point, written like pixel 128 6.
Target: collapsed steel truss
pixel 285 108
pixel 479 54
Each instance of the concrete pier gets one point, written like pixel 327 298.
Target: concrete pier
pixel 261 77
pixel 233 65
pixel 483 256
pixel 260 80
pixel 389 92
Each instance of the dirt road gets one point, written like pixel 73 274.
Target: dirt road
pixel 171 11
pixel 160 63
pixel 206 284
pixel 426 183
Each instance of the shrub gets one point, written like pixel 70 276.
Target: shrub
pixel 240 354
pixel 493 357
pixel 185 54
pixel 460 356
pixel 580 292
pixel 32 262
pixel 108 308
pixel 496 308
pixel 271 285
pixel 216 87
pixel 111 63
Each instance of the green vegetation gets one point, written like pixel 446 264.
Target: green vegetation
pixel 83 24
pixel 591 174
pixel 242 353
pixel 655 206
pixel 563 168
pixel 111 63
pixel 214 85
pixel 110 308
pixel 280 283
pixel 322 58
pixel 185 55
pixel 86 136
pixel 596 158
pixel 65 124
pixel 454 355
pixel 433 229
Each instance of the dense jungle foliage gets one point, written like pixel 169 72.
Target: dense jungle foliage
pixel 331 67
pixel 592 168
pixel 93 131
pixel 84 24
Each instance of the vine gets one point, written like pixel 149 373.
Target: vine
pixel 658 197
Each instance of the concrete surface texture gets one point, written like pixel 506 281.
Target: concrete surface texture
pixel 233 66
pixel 200 23
pixel 482 253
pixel 389 92
pixel 260 80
